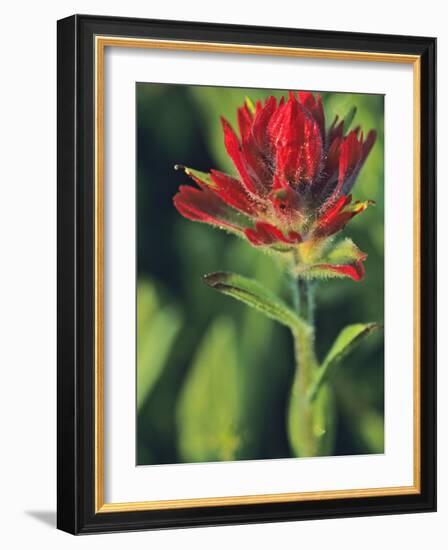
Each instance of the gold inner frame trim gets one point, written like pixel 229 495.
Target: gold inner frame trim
pixel 101 42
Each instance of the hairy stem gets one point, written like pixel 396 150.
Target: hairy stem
pixel 306 300
pixel 303 437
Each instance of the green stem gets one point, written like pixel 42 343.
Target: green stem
pixel 303 438
pixel 304 339
pixel 306 300
pixel 295 295
pixel 306 363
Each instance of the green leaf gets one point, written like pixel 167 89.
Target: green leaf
pixel 254 295
pixel 157 328
pixel 344 252
pixel 347 340
pixel 260 376
pixel 208 412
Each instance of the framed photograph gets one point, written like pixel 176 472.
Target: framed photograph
pixel 246 274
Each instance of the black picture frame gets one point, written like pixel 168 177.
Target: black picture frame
pixel 76 253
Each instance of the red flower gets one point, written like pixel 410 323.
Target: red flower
pixel 294 184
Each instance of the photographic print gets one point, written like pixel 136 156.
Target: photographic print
pixel 260 273
pixel 246 274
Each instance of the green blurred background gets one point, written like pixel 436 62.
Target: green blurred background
pixel 213 376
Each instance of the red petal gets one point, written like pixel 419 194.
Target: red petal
pixel 332 161
pixel 256 165
pixel 315 107
pixel 287 125
pixel 295 236
pixel 329 174
pixel 232 192
pixel 275 123
pixel 262 117
pixel 361 151
pixel 203 206
pixel 233 148
pixel 298 144
pixel 368 144
pixel 334 219
pixel 264 233
pixel 247 156
pixel 312 152
pixel 254 237
pixel 244 121
pixel 330 214
pixel 336 130
pixel 351 152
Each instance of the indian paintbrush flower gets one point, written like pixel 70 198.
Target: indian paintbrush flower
pixel 293 190
pixel 292 197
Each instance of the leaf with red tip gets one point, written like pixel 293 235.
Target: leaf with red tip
pixel 345 259
pixel 355 271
